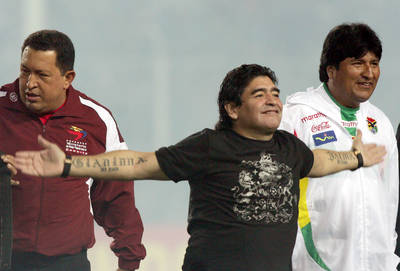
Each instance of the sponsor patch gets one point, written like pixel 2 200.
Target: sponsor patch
pixel 372 126
pixel 13 97
pixel 320 127
pixel 78 132
pixel 313 116
pixel 324 138
pixel 76 147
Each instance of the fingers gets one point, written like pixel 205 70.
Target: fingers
pixel 357 142
pixel 10 162
pixel 14 182
pixel 373 154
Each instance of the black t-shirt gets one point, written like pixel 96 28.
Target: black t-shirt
pixel 243 198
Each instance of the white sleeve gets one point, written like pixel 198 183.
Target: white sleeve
pixel 391 175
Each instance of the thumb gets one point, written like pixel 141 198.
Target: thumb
pixel 44 142
pixel 359 134
pixel 358 137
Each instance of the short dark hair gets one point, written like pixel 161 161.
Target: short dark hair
pixel 232 88
pixel 53 40
pixel 347 40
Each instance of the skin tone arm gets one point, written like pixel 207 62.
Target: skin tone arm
pixel 327 162
pixel 128 165
pixel 122 165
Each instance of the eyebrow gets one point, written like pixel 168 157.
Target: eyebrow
pixel 264 89
pixel 25 67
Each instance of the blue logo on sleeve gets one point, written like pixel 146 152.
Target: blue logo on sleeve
pixel 323 138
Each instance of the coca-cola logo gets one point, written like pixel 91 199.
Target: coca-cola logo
pixel 320 127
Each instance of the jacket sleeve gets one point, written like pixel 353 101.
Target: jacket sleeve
pixel 114 209
pixel 391 175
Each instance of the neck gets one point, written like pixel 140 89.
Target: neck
pixel 255 135
pixel 337 98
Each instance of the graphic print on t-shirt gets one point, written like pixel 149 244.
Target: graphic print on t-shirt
pixel 263 194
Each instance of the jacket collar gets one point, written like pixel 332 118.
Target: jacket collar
pixel 13 101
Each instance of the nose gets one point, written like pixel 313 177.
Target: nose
pixel 270 99
pixel 31 82
pixel 368 71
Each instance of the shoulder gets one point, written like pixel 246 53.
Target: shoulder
pixel 288 140
pixel 90 108
pixel 285 136
pixel 88 102
pixel 200 136
pixel 376 115
pixel 99 115
pixel 9 92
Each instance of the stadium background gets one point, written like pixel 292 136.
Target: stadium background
pixel 158 65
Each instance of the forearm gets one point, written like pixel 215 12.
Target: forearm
pixel 122 165
pixel 328 162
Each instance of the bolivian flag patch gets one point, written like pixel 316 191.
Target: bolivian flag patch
pixel 372 126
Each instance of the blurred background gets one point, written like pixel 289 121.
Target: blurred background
pixel 157 65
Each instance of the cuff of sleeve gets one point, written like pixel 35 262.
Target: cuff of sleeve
pixel 128 265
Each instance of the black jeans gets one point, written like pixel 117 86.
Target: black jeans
pixel 31 261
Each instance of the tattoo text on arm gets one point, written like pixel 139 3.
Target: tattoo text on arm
pixel 341 157
pixel 107 165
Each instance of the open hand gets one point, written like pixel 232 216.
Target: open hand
pixel 371 153
pixel 48 162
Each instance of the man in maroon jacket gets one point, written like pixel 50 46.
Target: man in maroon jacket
pixel 53 224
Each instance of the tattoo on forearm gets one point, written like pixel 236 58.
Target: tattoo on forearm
pixel 341 158
pixel 109 165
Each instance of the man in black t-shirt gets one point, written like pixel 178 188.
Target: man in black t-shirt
pixel 243 176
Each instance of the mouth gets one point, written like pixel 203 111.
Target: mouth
pixel 31 97
pixel 365 84
pixel 270 111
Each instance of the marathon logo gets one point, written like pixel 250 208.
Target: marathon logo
pixel 311 117
pixel 324 138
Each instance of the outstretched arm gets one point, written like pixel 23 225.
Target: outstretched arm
pixel 123 165
pixel 327 162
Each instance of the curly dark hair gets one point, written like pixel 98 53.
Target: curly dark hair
pixel 53 40
pixel 347 40
pixel 232 88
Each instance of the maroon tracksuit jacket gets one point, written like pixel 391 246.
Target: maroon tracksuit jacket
pixel 52 216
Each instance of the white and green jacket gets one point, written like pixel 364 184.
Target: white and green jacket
pixel 346 220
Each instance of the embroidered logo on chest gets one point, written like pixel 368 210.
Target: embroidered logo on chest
pixel 76 145
pixel 313 116
pixel 320 127
pixel 372 125
pixel 13 97
pixel 324 138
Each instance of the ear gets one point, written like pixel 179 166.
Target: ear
pixel 232 110
pixel 68 78
pixel 331 71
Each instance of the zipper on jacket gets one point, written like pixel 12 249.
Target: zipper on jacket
pixel 41 201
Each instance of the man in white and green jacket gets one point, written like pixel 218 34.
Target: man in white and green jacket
pixel 346 220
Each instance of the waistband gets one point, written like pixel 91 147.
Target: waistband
pixel 35 259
